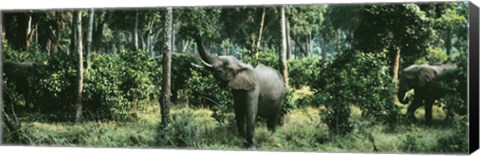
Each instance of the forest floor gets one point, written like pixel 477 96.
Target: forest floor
pixel 302 130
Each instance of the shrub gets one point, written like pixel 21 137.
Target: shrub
pixel 204 90
pixel 454 83
pixel 456 141
pixel 136 76
pixel 305 71
pixel 56 79
pixel 103 97
pixel 187 128
pixel 356 78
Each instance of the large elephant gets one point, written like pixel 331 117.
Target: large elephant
pixel 256 91
pixel 19 74
pixel 424 80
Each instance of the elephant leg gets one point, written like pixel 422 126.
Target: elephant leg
pixel 428 110
pixel 412 108
pixel 272 123
pixel 240 117
pixel 251 114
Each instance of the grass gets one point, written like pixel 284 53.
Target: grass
pixel 302 130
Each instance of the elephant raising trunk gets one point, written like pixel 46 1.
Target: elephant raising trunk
pixel 424 80
pixel 256 91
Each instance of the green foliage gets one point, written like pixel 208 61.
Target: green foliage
pixel 456 141
pixel 454 83
pixel 204 90
pixel 57 80
pixel 137 71
pixel 103 97
pixel 356 78
pixel 305 71
pixel 115 86
pixel 187 128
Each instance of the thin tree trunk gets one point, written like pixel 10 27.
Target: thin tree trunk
pixel 98 34
pixel 261 30
pixel 283 54
pixel 29 30
pixel 310 44
pixel 324 48
pixel 185 43
pixel 167 61
pixel 289 42
pixel 396 64
pixel 448 41
pixel 135 31
pixel 300 47
pixel 91 15
pixel 79 48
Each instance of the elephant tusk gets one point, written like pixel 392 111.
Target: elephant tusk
pixel 207 64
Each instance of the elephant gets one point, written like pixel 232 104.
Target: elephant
pixel 19 74
pixel 256 91
pixel 424 80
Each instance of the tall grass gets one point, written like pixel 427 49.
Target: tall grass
pixel 302 130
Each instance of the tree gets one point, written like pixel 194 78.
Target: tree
pixel 283 53
pixel 89 34
pixel 167 63
pixel 79 50
pixel 394 29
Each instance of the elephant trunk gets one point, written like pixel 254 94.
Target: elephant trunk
pixel 207 60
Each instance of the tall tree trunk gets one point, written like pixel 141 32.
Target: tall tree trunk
pixel 448 41
pixel 396 64
pixel 149 38
pixel 91 15
pixel 167 61
pixel 29 30
pixel 79 48
pixel 300 47
pixel 74 36
pixel 289 40
pixel 283 54
pixel 98 34
pixel 310 44
pixel 324 47
pixel 135 31
pixel 260 33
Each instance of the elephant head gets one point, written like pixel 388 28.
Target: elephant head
pixel 414 76
pixel 227 69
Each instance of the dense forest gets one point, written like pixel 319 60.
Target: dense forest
pixel 134 77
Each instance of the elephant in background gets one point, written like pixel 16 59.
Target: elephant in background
pixel 19 74
pixel 256 91
pixel 424 80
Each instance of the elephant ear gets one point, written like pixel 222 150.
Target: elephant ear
pixel 244 80
pixel 425 75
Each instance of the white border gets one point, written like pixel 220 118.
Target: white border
pixel 7 5
pixel 57 4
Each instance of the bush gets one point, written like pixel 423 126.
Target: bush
pixel 103 97
pixel 454 83
pixel 136 75
pixel 205 91
pixel 356 78
pixel 304 70
pixel 57 80
pixel 456 141
pixel 187 128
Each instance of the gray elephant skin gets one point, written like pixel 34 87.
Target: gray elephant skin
pixel 424 80
pixel 18 73
pixel 256 91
